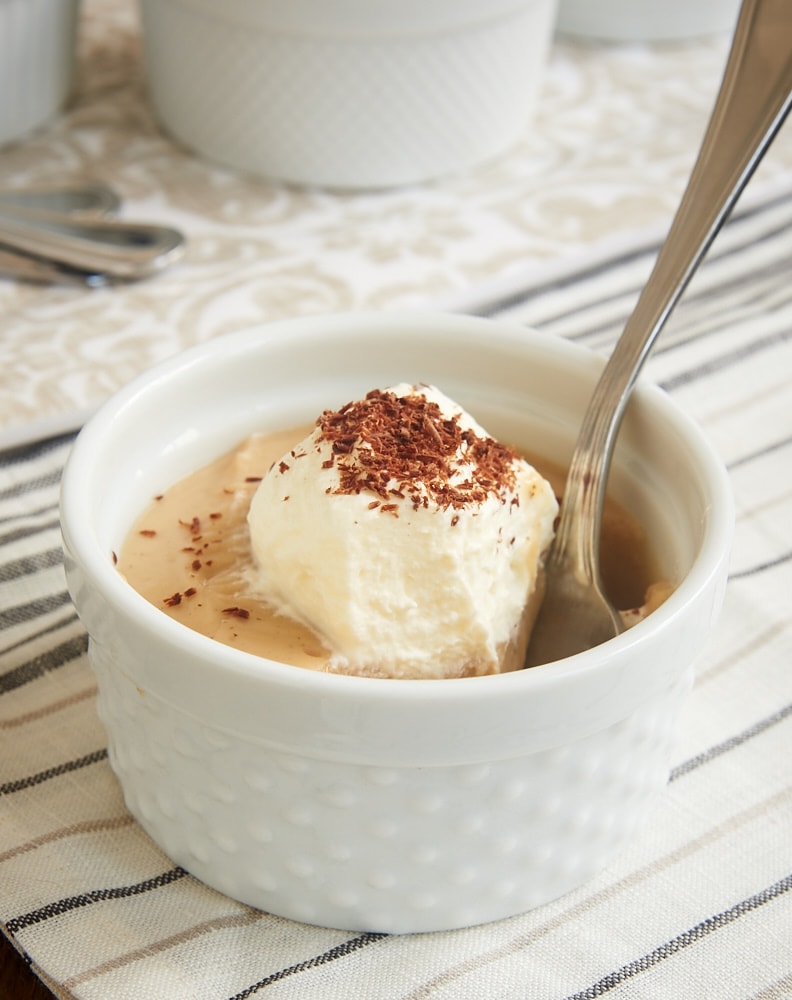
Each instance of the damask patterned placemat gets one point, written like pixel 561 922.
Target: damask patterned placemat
pixel 603 162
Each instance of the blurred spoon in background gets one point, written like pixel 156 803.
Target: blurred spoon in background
pixel 85 199
pixel 66 235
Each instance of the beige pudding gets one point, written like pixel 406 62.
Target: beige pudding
pixel 189 554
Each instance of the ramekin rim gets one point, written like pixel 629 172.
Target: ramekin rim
pixel 226 658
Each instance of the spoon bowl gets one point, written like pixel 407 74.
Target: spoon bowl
pixel 414 804
pixel 69 234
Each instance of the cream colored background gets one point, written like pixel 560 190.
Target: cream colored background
pixel 604 162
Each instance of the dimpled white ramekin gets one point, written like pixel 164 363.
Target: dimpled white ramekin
pixel 646 20
pixel 346 93
pixel 373 804
pixel 37 60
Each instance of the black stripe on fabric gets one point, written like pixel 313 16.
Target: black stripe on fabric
pixel 629 258
pixel 600 333
pixel 731 743
pixel 720 310
pixel 591 273
pixel 20 784
pixel 24 453
pixel 742 574
pixel 753 456
pixel 69 903
pixel 767 295
pixel 342 950
pixel 609 329
pixel 46 480
pixel 29 513
pixel 34 636
pixel 28 530
pixel 722 313
pixel 22 613
pixel 28 565
pixel 684 940
pixel 51 659
pixel 753 276
pixel 726 360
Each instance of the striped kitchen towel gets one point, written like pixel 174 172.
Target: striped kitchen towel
pixel 698 906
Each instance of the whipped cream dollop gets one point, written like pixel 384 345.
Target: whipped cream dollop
pixel 406 537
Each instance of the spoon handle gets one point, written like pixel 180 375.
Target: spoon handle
pixel 115 249
pixel 753 101
pixel 85 199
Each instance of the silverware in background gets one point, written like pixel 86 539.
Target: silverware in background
pixel 70 234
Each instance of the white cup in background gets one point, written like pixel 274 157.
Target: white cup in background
pixel 646 20
pixel 37 63
pixel 346 93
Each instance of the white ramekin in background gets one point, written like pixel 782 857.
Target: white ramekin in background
pixel 377 804
pixel 37 61
pixel 646 20
pixel 346 93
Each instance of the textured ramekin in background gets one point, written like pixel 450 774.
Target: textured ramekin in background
pixel 646 20
pixel 37 62
pixel 346 93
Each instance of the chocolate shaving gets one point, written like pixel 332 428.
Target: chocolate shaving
pixel 404 446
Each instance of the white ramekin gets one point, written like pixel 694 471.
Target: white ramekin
pixel 367 803
pixel 346 93
pixel 37 61
pixel 646 20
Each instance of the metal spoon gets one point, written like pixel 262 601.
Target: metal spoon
pixel 46 245
pixel 85 200
pixel 753 101
pixel 93 198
